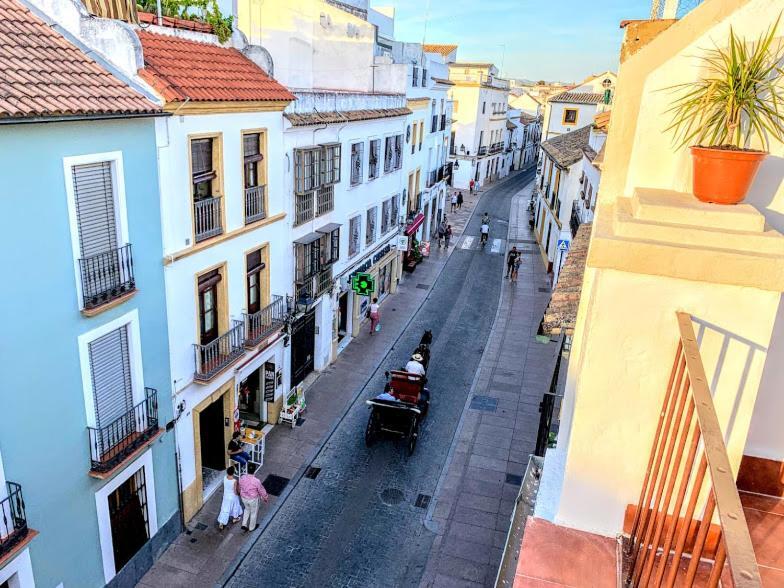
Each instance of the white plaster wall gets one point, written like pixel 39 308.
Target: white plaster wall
pixel 313 44
pixel 617 380
pixel 555 127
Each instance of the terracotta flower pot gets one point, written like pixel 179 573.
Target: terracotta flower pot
pixel 724 176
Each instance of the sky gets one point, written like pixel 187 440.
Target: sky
pixel 554 40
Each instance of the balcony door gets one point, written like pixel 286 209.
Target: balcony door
pixel 208 306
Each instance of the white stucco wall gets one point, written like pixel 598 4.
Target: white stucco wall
pixel 553 123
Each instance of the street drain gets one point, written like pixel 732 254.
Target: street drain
pixel 422 501
pixel 312 472
pixel 423 286
pixel 392 496
pixel 543 289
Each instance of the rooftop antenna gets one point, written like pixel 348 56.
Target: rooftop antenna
pixel 503 56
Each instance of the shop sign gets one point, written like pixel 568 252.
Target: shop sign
pixel 381 253
pixel 269 381
pixel 402 243
pixel 370 262
pixel 363 284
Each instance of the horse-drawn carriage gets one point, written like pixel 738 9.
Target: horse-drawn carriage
pixel 404 404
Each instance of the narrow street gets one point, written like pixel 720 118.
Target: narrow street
pixel 359 522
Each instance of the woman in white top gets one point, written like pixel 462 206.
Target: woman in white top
pixel 374 315
pixel 231 508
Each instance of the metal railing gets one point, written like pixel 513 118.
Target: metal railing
pixel 254 204
pixel 688 444
pixel 261 324
pixel 13 519
pixel 303 208
pixel 482 150
pixel 325 200
pixel 497 147
pixel 112 443
pixel 324 281
pixel 106 276
pixel 672 8
pixel 207 216
pixel 216 355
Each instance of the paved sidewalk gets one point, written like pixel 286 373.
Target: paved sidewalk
pixel 475 497
pixel 201 555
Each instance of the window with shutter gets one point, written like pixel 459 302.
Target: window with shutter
pixel 255 266
pixel 353 236
pixel 307 164
pixel 252 158
pixel 110 372
pixel 330 163
pixel 95 211
pixel 202 168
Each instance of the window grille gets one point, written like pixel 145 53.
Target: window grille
pixel 303 204
pixel 353 235
pixel 330 163
pixel 307 163
pixel 395 210
pixel 357 152
pixel 325 200
pixel 389 154
pixel 324 282
pixel 399 151
pixel 370 233
pixel 415 77
pixel 373 157
pixel 386 208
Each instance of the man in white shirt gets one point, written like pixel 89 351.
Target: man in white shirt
pixel 414 366
pixel 485 231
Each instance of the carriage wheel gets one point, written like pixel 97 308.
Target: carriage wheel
pixel 370 430
pixel 413 433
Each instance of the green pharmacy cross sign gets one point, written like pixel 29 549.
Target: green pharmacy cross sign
pixel 363 284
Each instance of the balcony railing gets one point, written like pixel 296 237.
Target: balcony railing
pixel 254 204
pixel 262 324
pixel 482 150
pixel 106 276
pixel 216 355
pixel 497 147
pixel 688 444
pixel 114 442
pixel 13 519
pixel 207 216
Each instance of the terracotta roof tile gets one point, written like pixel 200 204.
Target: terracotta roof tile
pixel 444 50
pixel 181 69
pixel 578 98
pixel 320 118
pixel 43 74
pixel 561 313
pixel 567 148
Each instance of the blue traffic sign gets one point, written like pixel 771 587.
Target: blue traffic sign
pixel 563 244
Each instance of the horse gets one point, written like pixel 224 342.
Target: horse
pixel 423 348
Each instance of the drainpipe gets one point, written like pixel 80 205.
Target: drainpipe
pixel 160 12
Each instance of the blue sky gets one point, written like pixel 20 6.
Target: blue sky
pixel 562 40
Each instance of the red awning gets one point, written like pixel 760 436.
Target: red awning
pixel 415 224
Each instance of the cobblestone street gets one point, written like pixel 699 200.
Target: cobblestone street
pixel 359 521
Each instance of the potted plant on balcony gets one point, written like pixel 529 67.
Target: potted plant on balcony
pixel 718 116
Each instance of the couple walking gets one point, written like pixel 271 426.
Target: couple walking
pixel 444 234
pixel 457 201
pixel 513 261
pixel 247 489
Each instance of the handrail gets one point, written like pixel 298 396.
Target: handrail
pixel 264 322
pixel 688 420
pixel 106 276
pixel 13 519
pixel 214 356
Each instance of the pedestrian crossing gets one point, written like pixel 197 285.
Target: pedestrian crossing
pixel 473 243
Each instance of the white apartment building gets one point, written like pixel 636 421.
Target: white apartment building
pixel 343 158
pixel 479 107
pixel 575 108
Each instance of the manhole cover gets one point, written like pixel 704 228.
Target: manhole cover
pixel 422 501
pixel 391 496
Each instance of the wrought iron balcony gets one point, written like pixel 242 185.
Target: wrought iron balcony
pixel 106 276
pixel 214 356
pixel 254 204
pixel 497 147
pixel 207 218
pixel 114 442
pixel 482 150
pixel 262 324
pixel 13 519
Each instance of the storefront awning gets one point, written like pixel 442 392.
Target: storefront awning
pixel 309 238
pixel 328 228
pixel 416 223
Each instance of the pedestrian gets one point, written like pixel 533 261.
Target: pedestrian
pixel 454 202
pixel 231 509
pixel 447 236
pixel 251 490
pixel 510 260
pixel 441 232
pixel 471 186
pixel 236 452
pixel 516 268
pixel 459 200
pixel 375 316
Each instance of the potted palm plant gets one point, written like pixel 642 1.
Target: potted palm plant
pixel 720 115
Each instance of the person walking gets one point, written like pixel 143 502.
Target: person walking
pixel 447 236
pixel 459 200
pixel 516 267
pixel 375 315
pixel 251 491
pixel 510 260
pixel 441 232
pixel 471 186
pixel 231 509
pixel 454 202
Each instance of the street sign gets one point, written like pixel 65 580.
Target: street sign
pixel 563 244
pixel 363 284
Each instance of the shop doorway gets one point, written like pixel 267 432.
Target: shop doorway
pixel 303 345
pixel 213 445
pixel 128 518
pixel 342 316
pixel 251 401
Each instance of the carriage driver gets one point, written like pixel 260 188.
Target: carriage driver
pixel 414 366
